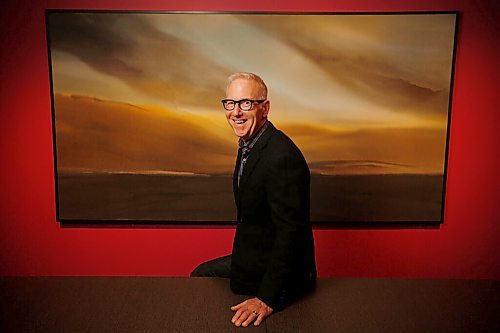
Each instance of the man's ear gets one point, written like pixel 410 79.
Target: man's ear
pixel 267 107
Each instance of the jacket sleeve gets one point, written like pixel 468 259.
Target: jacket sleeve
pixel 287 190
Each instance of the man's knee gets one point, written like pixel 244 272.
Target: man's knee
pixel 203 270
pixel 218 267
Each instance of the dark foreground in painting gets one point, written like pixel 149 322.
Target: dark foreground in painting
pixel 363 198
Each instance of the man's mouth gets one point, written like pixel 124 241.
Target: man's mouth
pixel 239 121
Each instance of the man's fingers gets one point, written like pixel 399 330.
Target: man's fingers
pixel 236 316
pixel 259 319
pixel 242 318
pixel 251 317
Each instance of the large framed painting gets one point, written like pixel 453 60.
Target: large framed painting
pixel 140 135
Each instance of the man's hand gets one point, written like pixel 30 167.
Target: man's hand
pixel 250 310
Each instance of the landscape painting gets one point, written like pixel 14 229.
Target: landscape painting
pixel 140 134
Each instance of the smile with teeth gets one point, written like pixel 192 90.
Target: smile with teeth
pixel 239 121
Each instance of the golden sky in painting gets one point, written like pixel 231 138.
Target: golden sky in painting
pixel 358 94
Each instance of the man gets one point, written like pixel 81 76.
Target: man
pixel 273 249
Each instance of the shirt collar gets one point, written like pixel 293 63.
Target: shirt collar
pixel 247 145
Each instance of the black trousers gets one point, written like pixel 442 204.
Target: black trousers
pixel 218 267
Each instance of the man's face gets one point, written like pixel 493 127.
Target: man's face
pixel 246 123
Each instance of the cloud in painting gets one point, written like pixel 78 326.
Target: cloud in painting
pixel 400 62
pixel 95 135
pixel 130 48
pixel 104 136
pixel 293 79
pixel 377 150
pixel 358 94
pixel 369 72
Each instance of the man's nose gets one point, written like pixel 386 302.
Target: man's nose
pixel 237 110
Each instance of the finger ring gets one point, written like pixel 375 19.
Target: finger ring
pixel 255 312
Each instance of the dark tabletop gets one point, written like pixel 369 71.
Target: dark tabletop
pixel 174 304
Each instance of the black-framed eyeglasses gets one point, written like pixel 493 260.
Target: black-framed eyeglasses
pixel 245 104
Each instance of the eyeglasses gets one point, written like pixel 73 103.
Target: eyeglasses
pixel 245 104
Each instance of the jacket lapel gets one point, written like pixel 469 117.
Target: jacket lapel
pixel 254 157
pixel 235 178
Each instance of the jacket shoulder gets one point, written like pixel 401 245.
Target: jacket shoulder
pixel 280 144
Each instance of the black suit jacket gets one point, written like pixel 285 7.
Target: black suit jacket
pixel 273 249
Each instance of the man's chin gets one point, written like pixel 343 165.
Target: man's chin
pixel 243 134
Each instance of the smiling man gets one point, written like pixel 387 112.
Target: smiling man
pixel 273 250
pixel 246 104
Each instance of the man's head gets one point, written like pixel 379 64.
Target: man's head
pixel 247 93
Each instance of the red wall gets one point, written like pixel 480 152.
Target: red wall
pixel 32 242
